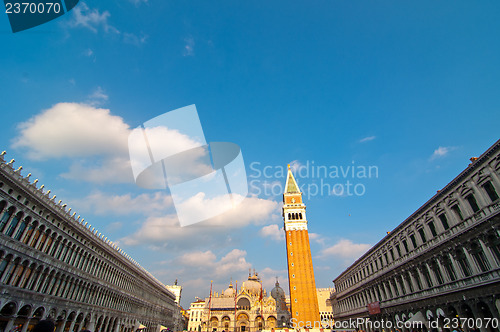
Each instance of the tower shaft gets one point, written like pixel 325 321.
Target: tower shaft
pixel 303 297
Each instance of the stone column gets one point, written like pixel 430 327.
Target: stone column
pixel 489 256
pixel 389 295
pixel 431 274
pixel 25 325
pixel 391 286
pixel 405 283
pixel 458 270
pixel 398 286
pixel 495 179
pixel 10 324
pixel 480 197
pixel 72 326
pixel 444 275
pixel 413 281
pixel 423 281
pixel 91 324
pixel 464 207
pixel 472 262
pixel 60 326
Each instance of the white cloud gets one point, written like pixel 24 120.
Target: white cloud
pixel 166 229
pixel 345 249
pixel 97 97
pixel 82 131
pixel 91 19
pixel 233 262
pixel 102 203
pixel 317 238
pixel 198 259
pixel 72 130
pixel 138 2
pixel 268 276
pixel 189 46
pixel 367 139
pixel 109 169
pixel 441 152
pixel 88 52
pixel 133 39
pixel 295 166
pixel 272 231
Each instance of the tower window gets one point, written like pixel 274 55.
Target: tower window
pixel 490 190
pixel 295 300
pixel 300 214
pixel 291 253
pixel 289 216
pixel 293 275
pixel 294 287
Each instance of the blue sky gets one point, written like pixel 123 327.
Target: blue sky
pixel 408 87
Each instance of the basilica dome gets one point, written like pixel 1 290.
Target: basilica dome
pixel 230 292
pixel 277 292
pixel 252 285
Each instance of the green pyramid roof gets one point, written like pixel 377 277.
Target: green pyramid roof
pixel 291 185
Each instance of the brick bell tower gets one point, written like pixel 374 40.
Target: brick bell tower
pixel 303 297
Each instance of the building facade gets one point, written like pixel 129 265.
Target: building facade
pixel 247 310
pixel 303 297
pixel 178 317
pixel 441 265
pixel 54 265
pixel 196 310
pixel 325 303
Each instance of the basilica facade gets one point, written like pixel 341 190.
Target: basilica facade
pixel 53 265
pixel 251 308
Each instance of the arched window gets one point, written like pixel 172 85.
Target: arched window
pixel 50 240
pixel 21 228
pixel 42 240
pixel 13 224
pixel 5 217
pixel 300 216
pixel 35 237
pixel 3 204
pixel 27 236
pixel 289 216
